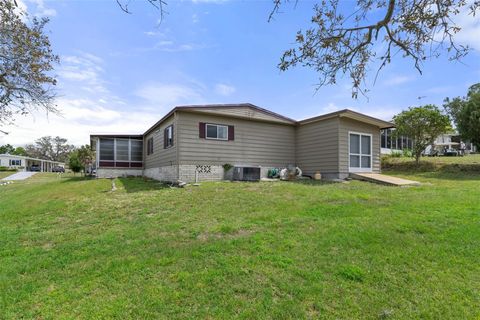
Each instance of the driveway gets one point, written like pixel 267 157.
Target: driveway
pixel 19 176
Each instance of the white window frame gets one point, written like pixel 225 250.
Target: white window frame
pixel 216 125
pixel 360 169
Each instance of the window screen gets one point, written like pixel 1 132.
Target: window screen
pixel 122 150
pixel 106 149
pixel 136 150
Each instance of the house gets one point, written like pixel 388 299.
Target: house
pixel 22 163
pixel 391 143
pixel 197 141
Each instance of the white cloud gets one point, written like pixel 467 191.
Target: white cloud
pixel 104 114
pixel 171 46
pixel 81 117
pixel 84 68
pixel 470 27
pixel 166 96
pixel 224 89
pixel 331 107
pixel 195 18
pixel 21 7
pixel 397 80
pixel 39 8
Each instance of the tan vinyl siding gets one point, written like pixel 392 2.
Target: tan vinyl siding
pixel 317 146
pixel 243 112
pixel 161 157
pixel 256 143
pixel 347 125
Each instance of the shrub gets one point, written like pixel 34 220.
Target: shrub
pixel 8 169
pixel 396 154
pixel 227 167
pixel 407 153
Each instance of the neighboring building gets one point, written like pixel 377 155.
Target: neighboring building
pixel 450 141
pixel 199 140
pixel 22 163
pixel 391 143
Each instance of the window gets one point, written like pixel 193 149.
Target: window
pixel 383 138
pixel 107 149
pixel 168 137
pixel 389 138
pixel 150 146
pixel 15 162
pixel 215 131
pixel 360 152
pixel 136 150
pixel 122 152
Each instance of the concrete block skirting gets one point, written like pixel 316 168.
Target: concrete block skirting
pixel 204 172
pixel 115 173
pixel 166 173
pixel 184 172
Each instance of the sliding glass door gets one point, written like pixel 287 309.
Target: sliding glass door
pixel 360 152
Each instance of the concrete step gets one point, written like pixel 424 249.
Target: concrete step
pixel 383 179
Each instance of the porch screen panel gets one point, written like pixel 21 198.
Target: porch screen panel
pixel 136 150
pixel 106 149
pixel 122 150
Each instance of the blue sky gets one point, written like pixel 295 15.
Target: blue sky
pixel 122 72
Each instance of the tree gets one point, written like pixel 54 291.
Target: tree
pixel 85 156
pixel 55 149
pixel 19 151
pixel 26 60
pixel 8 148
pixel 74 162
pixel 465 113
pixel 347 38
pixel 423 125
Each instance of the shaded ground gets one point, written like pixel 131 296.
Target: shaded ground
pixel 240 250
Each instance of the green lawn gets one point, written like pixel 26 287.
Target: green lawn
pixel 468 159
pixel 4 174
pixel 71 248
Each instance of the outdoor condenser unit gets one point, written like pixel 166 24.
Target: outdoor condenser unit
pixel 246 174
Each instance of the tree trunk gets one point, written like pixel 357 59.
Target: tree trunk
pixel 417 158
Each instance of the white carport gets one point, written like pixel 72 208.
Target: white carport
pixel 23 163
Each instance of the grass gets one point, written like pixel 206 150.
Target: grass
pixel 469 163
pixel 71 248
pixel 468 159
pixel 4 174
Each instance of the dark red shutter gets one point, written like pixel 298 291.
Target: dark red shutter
pixel 201 129
pixel 165 137
pixel 231 133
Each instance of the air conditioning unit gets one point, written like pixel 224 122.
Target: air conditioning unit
pixel 246 173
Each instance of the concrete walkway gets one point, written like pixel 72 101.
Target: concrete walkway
pixel 19 176
pixel 384 179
